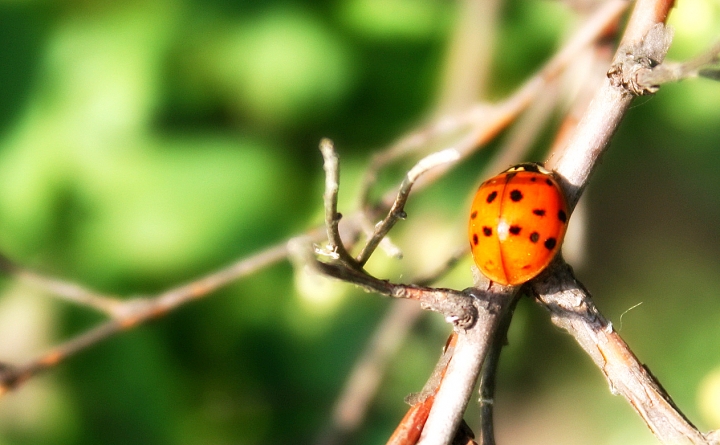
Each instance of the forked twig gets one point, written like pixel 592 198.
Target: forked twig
pixel 470 353
pixel 706 64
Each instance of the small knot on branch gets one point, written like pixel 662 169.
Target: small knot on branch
pixel 638 58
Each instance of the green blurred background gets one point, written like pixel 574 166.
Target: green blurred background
pixel 144 143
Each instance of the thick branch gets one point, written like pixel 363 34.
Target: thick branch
pixel 592 135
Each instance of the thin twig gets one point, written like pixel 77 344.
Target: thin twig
pixel 130 313
pixel 65 290
pixel 455 305
pixel 336 248
pixel 704 64
pixel 397 211
pixel 411 426
pixel 488 379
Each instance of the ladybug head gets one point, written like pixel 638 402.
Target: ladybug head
pixel 534 167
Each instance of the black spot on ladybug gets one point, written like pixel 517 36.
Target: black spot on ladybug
pixel 473 215
pixel 534 237
pixel 516 195
pixel 550 243
pixel 533 179
pixel 549 182
pixel 562 216
pixel 539 212
pixel 491 197
pixel 515 230
pixel 487 231
pixel 475 239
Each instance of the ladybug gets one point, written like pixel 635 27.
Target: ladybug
pixel 517 223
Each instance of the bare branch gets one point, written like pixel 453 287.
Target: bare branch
pixel 455 305
pixel 13 376
pixel 645 42
pixel 364 381
pixel 137 311
pixel 459 307
pixel 706 64
pixel 409 429
pixel 637 58
pixel 571 308
pixel 500 116
pixel 474 341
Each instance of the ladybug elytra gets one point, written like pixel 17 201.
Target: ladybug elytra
pixel 517 224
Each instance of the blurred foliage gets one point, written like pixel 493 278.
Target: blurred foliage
pixel 144 143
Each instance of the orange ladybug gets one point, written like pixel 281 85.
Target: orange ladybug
pixel 517 223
